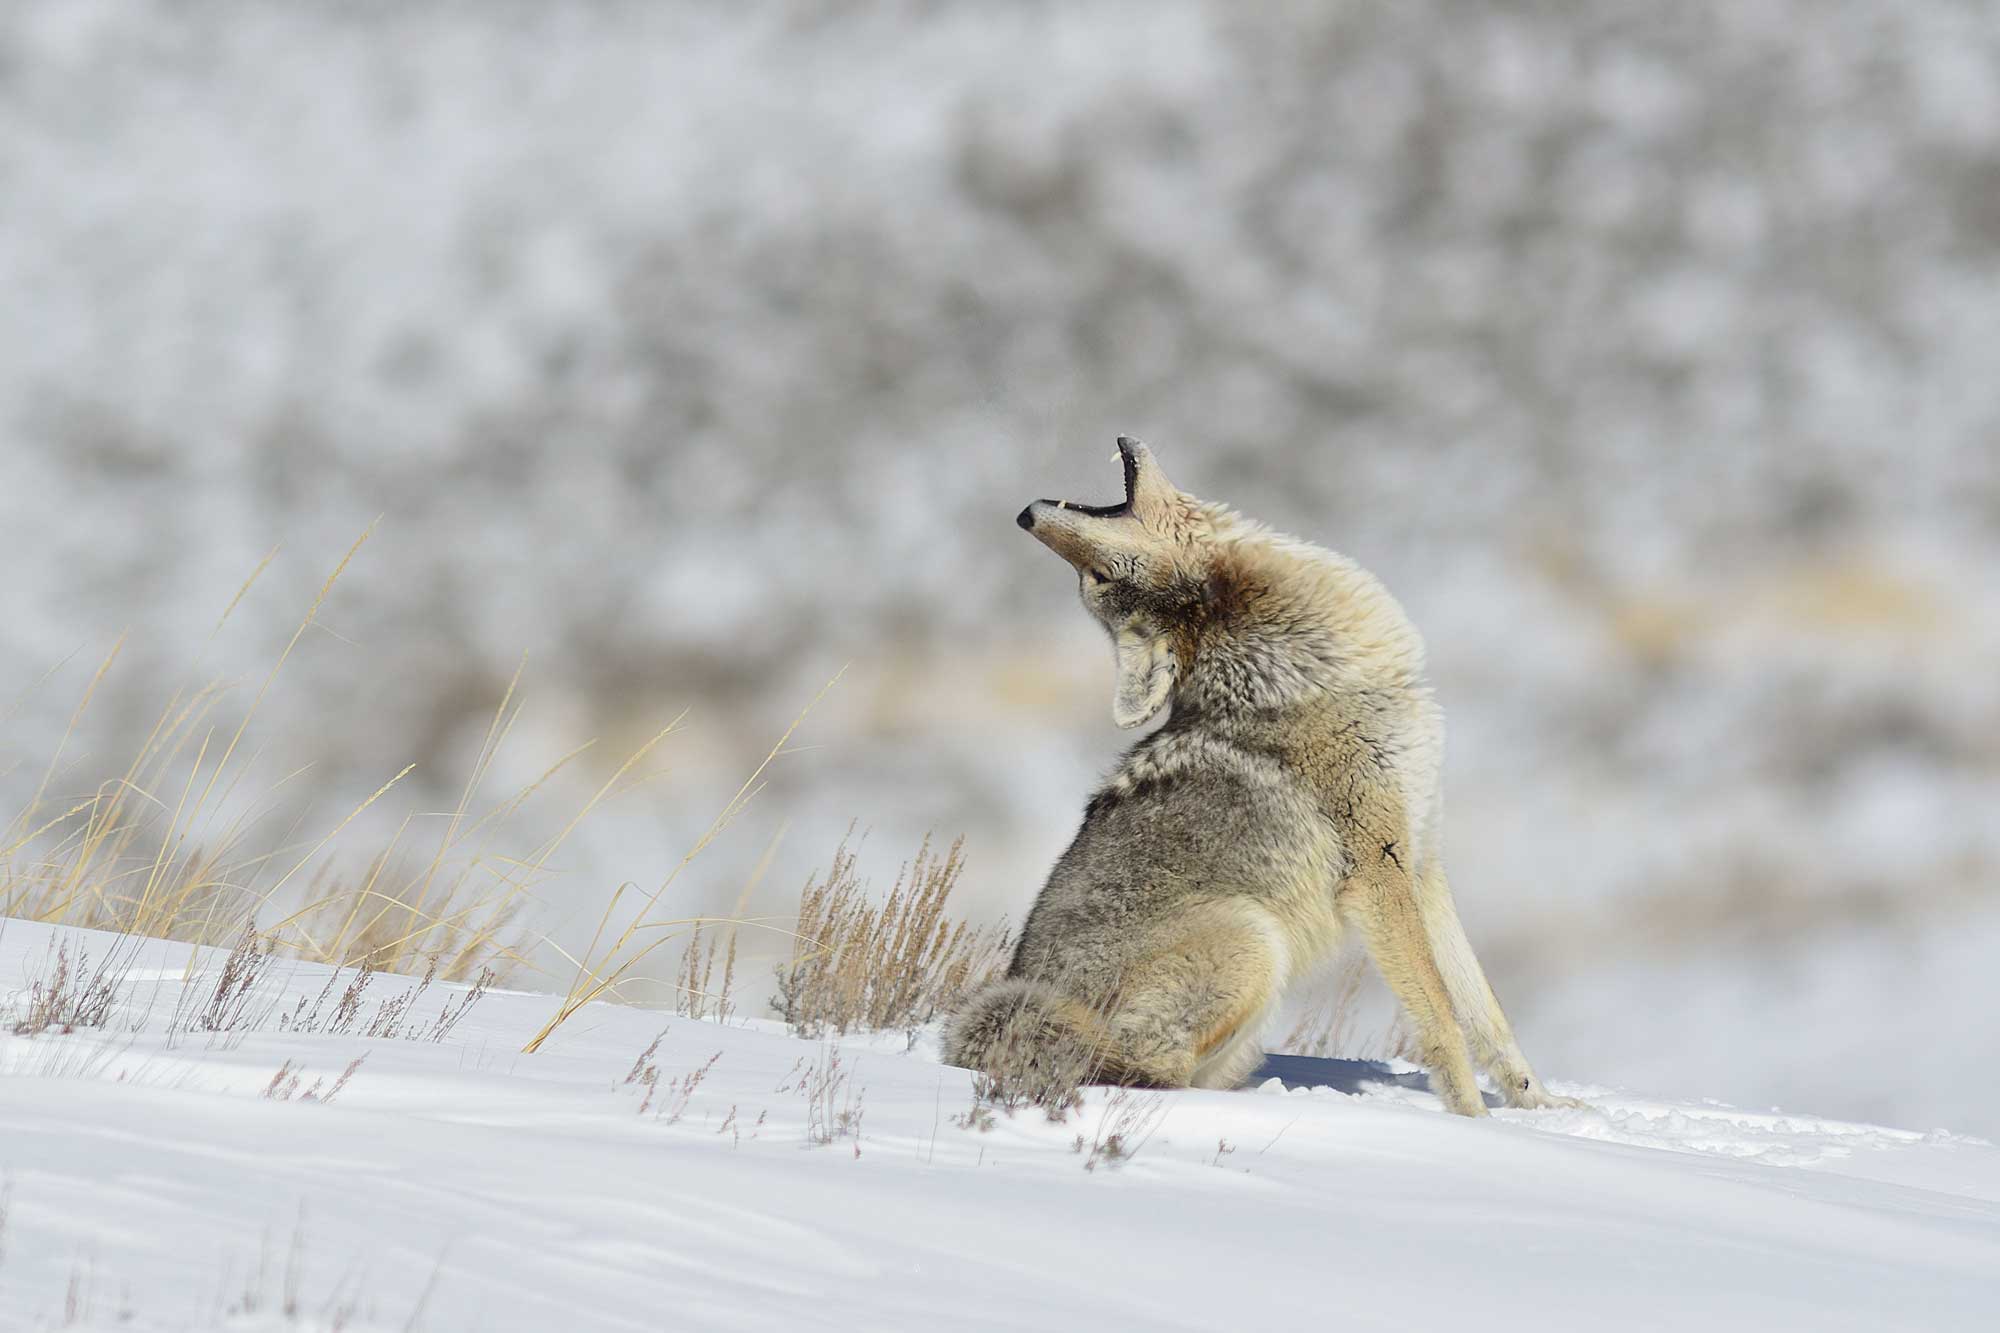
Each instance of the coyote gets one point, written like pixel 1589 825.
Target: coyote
pixel 1292 791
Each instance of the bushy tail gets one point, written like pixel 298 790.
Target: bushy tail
pixel 1033 1042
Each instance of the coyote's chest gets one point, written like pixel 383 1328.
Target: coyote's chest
pixel 1169 756
pixel 1371 762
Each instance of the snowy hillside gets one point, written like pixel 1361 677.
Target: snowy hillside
pixel 697 351
pixel 157 1176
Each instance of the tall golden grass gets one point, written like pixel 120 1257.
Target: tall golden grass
pixel 153 852
pixel 171 848
pixel 605 964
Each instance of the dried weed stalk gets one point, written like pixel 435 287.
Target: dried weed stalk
pixel 392 1017
pixel 1130 1117
pixel 71 996
pixel 698 992
pixel 284 1085
pixel 394 1012
pixel 833 1103
pixel 229 1008
pixel 674 1094
pixel 644 1063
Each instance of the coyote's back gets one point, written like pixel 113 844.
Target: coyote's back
pixel 1292 791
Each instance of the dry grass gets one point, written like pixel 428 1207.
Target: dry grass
pixel 859 967
pixel 284 1085
pixel 127 861
pixel 236 1001
pixel 833 1103
pixel 604 966
pixel 700 991
pixel 172 846
pixel 221 1001
pixel 71 995
pixel 1130 1117
pixel 667 1100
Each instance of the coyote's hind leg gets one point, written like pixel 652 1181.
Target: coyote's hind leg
pixel 1190 1007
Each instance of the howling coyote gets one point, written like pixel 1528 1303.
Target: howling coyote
pixel 1292 791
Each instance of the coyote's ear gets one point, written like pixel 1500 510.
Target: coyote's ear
pixel 1147 669
pixel 1153 499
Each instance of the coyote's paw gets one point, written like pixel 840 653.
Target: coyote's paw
pixel 1538 1098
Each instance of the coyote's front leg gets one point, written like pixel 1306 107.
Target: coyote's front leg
pixel 1381 898
pixel 1473 1000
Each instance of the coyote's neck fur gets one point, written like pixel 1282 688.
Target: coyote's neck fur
pixel 1285 623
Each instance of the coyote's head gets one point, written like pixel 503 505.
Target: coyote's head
pixel 1144 568
pixel 1209 609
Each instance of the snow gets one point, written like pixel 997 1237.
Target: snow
pixel 696 351
pixel 149 1184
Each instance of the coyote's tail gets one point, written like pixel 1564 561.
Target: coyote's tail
pixel 1031 1039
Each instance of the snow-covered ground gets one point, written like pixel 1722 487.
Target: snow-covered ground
pixel 149 1180
pixel 695 351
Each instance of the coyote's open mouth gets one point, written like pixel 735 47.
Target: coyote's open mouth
pixel 1131 463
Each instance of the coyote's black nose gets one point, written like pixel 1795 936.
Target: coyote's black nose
pixel 1026 518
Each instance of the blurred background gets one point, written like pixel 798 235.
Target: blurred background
pixel 1647 352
